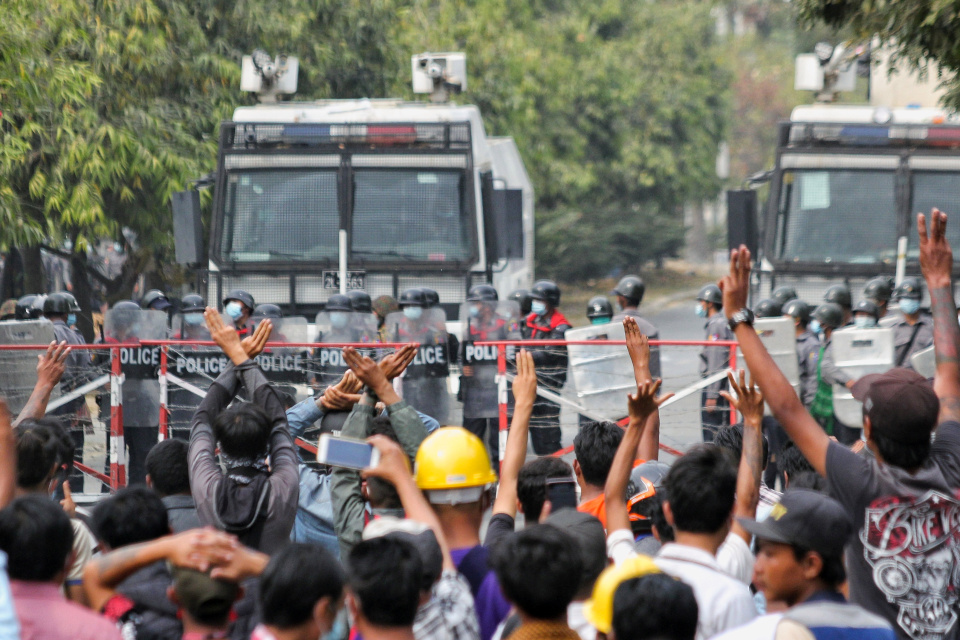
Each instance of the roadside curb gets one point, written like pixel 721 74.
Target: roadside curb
pixel 663 302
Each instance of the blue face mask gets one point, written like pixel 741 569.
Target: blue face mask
pixel 339 319
pixel 701 311
pixel 413 313
pixel 864 322
pixel 538 307
pixel 339 630
pixel 71 319
pixel 194 319
pixel 600 320
pixel 234 310
pixel 909 306
pixel 815 327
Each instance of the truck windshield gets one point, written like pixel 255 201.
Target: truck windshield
pixel 410 214
pixel 837 215
pixel 281 215
pixel 933 189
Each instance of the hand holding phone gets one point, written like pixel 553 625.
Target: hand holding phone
pixel 346 452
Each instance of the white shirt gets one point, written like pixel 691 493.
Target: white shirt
pixel 724 602
pixel 734 557
pixel 762 628
pixel 578 622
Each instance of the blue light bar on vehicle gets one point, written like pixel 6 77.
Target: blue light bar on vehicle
pixel 802 134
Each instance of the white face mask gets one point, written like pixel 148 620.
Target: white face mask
pixel 413 313
pixel 234 310
pixel 864 322
pixel 538 307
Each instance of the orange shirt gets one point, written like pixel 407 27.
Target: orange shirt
pixel 597 507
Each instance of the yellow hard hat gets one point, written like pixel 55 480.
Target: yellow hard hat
pixel 598 610
pixel 452 458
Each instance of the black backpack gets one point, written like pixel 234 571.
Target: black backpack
pixel 241 504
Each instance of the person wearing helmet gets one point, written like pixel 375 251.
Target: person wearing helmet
pixel 275 314
pixel 767 308
pixel 599 310
pixel 24 308
pixel 36 309
pixel 808 348
pixel 629 292
pixel 646 479
pixel 784 294
pixel 879 291
pixel 192 325
pixel 714 407
pixel 156 300
pixel 827 318
pixel 913 331
pixel 383 306
pixel 865 315
pixel 522 298
pixel 328 362
pixel 840 294
pixel 454 473
pixel 360 301
pixel 425 384
pixel 238 305
pixel 545 322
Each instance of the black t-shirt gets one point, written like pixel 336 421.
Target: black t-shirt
pixel 904 559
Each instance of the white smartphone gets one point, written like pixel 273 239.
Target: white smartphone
pixel 346 452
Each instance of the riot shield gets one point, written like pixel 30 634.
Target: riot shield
pixel 924 362
pixel 186 327
pixel 139 364
pixel 858 352
pixel 336 328
pixel 484 321
pixel 18 371
pixel 779 336
pixel 602 375
pixel 191 369
pixel 424 383
pixel 286 367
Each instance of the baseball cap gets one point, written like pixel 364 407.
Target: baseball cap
pixel 807 519
pixel 205 598
pixel 900 403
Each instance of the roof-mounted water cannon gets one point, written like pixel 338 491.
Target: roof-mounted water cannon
pixel 828 71
pixel 439 74
pixel 267 77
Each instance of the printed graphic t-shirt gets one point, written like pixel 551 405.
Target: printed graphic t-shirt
pixel 902 560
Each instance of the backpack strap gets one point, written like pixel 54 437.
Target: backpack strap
pixel 474 568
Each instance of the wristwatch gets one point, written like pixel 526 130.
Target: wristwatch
pixel 743 316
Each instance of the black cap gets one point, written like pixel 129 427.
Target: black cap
pixel 807 519
pixel 900 403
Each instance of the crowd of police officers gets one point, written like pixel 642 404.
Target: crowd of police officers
pixel 418 317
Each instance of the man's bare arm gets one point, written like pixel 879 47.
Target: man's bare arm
pixel 50 368
pixel 638 346
pixel 524 393
pixel 749 402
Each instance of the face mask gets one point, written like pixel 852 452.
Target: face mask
pixel 339 629
pixel 71 319
pixel 234 310
pixel 474 311
pixel 909 306
pixel 701 311
pixel 193 319
pixel 339 319
pixel 815 327
pixel 864 322
pixel 602 320
pixel 413 313
pixel 538 307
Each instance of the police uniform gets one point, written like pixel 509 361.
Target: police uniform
pixel 647 329
pixel 479 391
pixel 551 364
pixel 713 360
pixel 911 338
pixel 424 383
pixel 808 351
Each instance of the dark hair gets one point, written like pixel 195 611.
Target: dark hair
pixel 655 606
pixel 595 446
pixel 833 573
pixel 243 431
pixel 384 576
pixel 168 468
pixel 899 454
pixel 296 578
pixel 731 439
pixel 532 486
pixel 791 461
pixel 131 515
pixel 701 486
pixel 807 480
pixel 535 569
pixel 59 430
pixel 38 451
pixel 37 537
pixel 381 493
pixel 658 519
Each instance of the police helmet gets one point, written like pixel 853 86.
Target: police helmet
pixel 192 303
pixel 711 293
pixel 910 288
pixel 784 294
pixel 36 309
pixel 338 302
pixel 866 306
pixel 631 288
pixel 522 298
pixel 547 291
pixel 431 297
pixel 599 307
pixel 413 298
pixel 242 297
pixel 155 299
pixel 266 310
pixel 482 293
pixel 839 294
pixel 24 307
pixel 74 305
pixel 798 309
pixel 768 308
pixel 125 313
pixel 829 314
pixel 878 289
pixel 56 304
pixel 360 301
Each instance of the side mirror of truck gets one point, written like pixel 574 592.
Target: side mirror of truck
pixel 502 220
pixel 742 219
pixel 187 227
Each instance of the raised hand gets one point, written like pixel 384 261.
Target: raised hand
pixel 525 384
pixel 736 284
pixel 225 336
pixel 645 402
pixel 52 363
pixel 749 400
pixel 334 399
pixel 398 361
pixel 394 464
pixel 253 344
pixel 936 256
pixel 67 504
pixel 349 383
pixel 365 369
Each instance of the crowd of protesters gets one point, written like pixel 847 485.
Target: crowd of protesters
pixel 433 542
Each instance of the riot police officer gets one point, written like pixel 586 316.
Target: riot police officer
pixel 545 322
pixel 827 318
pixel 24 309
pixel 239 305
pixel 192 325
pixel 629 292
pixel 714 407
pixel 808 348
pixel 879 291
pixel 767 308
pixel 865 315
pixel 839 294
pixel 599 310
pixel 784 294
pixel 522 298
pixel 360 301
pixel 156 300
pixel 914 330
pixel 424 384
